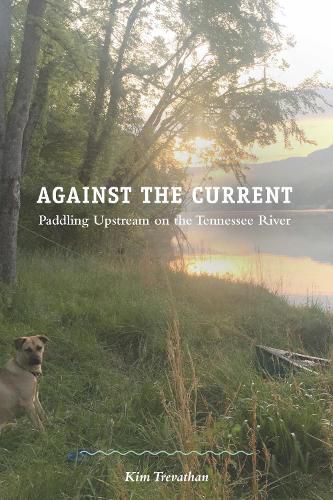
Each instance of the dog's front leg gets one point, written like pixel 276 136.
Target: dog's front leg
pixel 33 415
pixel 39 409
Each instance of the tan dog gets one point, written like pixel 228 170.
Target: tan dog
pixel 18 382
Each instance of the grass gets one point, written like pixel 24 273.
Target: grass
pixel 143 358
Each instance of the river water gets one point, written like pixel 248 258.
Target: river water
pixel 295 261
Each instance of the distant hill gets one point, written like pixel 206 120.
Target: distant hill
pixel 328 96
pixel 310 176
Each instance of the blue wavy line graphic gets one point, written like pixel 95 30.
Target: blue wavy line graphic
pixel 164 452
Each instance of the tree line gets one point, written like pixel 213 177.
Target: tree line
pixel 104 89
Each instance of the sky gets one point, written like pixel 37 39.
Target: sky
pixel 310 22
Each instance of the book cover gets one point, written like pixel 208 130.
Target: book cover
pixel 166 262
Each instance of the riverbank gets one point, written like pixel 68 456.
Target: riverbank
pixel 142 358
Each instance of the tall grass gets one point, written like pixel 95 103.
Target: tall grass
pixel 179 409
pixel 126 371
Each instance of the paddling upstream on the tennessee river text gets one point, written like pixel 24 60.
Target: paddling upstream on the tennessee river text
pixel 198 220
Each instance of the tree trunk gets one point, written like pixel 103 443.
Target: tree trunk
pixel 37 109
pixel 5 29
pixel 11 163
pixel 92 149
pixel 97 140
pixel 9 215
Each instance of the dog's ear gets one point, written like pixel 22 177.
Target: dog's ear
pixel 18 343
pixel 43 338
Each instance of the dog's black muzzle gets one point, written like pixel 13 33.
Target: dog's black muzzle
pixel 34 361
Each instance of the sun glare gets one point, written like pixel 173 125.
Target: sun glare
pixel 194 153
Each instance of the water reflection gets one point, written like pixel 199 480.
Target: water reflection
pixel 296 261
pixel 281 273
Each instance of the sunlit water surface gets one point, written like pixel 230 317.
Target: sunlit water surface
pixel 295 261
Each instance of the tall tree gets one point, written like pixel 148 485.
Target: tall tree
pixel 12 127
pixel 185 68
pixel 94 141
pixel 5 32
pixel 100 130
